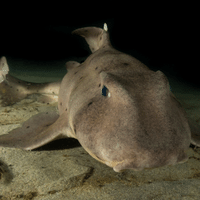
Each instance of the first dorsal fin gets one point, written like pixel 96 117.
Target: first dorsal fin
pixel 95 37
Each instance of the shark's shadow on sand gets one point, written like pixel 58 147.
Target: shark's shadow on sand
pixel 61 144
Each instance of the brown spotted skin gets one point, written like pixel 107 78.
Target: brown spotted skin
pixel 122 113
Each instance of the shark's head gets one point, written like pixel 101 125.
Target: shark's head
pixel 134 122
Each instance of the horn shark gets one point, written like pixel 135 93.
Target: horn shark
pixel 122 113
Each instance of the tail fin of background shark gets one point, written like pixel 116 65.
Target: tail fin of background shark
pixel 9 94
pixel 3 69
pixel 95 37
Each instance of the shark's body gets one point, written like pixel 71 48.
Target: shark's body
pixel 121 112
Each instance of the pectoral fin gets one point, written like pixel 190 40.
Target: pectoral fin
pixel 35 132
pixel 195 132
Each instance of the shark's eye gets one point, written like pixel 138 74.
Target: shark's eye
pixel 105 91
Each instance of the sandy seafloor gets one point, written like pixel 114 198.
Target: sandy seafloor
pixel 64 170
